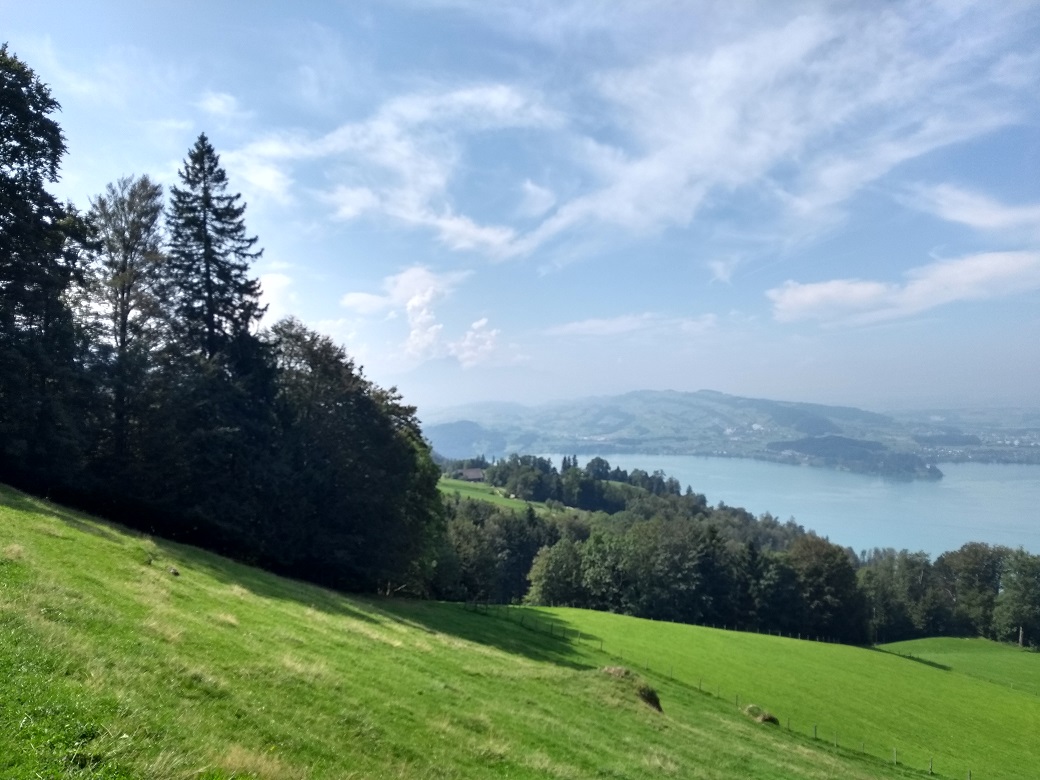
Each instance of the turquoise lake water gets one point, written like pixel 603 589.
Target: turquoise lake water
pixel 993 503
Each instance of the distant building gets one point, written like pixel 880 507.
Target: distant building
pixel 473 475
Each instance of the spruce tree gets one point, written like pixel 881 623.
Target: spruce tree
pixel 39 242
pixel 214 302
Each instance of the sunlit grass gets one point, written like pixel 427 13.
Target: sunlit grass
pixel 995 662
pixel 481 491
pixel 114 668
pixel 857 696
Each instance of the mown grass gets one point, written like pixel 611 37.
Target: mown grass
pixel 997 663
pixel 481 491
pixel 116 668
pixel 862 698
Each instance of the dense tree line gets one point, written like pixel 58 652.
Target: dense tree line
pixel 596 487
pixel 977 590
pixel 135 379
pixel 645 548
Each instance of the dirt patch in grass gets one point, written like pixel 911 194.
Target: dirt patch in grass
pixel 14 552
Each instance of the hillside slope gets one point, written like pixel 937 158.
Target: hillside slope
pixel 128 657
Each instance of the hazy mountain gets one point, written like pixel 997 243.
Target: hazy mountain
pixel 711 423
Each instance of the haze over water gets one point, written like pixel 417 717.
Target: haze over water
pixel 992 503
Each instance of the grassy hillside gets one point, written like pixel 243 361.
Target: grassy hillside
pixel 997 663
pixel 861 697
pixel 128 657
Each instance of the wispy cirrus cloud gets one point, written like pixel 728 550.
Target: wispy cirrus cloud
pixel 402 161
pixel 859 302
pixel 786 117
pixel 808 112
pixel 627 324
pixel 966 207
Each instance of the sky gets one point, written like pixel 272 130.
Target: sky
pixel 530 201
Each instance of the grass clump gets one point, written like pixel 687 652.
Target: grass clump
pixel 760 715
pixel 646 692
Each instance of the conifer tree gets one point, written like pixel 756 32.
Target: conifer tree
pixel 126 285
pixel 38 261
pixel 215 302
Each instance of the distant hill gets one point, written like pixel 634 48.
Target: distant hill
pixel 712 423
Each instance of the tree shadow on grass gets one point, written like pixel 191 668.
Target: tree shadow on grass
pixel 259 582
pixel 23 502
pixel 530 633
pixel 527 632
pixel 914 658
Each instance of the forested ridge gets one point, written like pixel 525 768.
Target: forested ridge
pixel 136 381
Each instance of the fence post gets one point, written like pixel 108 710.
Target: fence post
pixel 895 757
pixel 930 765
pixel 814 731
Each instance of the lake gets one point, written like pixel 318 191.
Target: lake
pixel 993 503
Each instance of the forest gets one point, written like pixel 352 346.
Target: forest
pixel 137 382
pixel 666 555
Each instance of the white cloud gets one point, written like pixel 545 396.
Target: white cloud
pixel 477 345
pixel 799 117
pixel 633 323
pixel 402 161
pixel 789 116
pixel 261 178
pixel 722 268
pixel 535 200
pixel 855 301
pixel 221 106
pixel 610 326
pixel 414 292
pixel 974 209
pixel 277 295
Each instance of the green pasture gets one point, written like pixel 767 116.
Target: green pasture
pixel 994 662
pixel 481 491
pixel 128 657
pixel 861 698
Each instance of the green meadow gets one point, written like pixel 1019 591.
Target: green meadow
pixel 481 491
pixel 962 715
pixel 997 663
pixel 124 656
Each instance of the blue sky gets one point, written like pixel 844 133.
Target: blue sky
pixel 526 201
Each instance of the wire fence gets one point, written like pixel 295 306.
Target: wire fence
pixel 906 757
